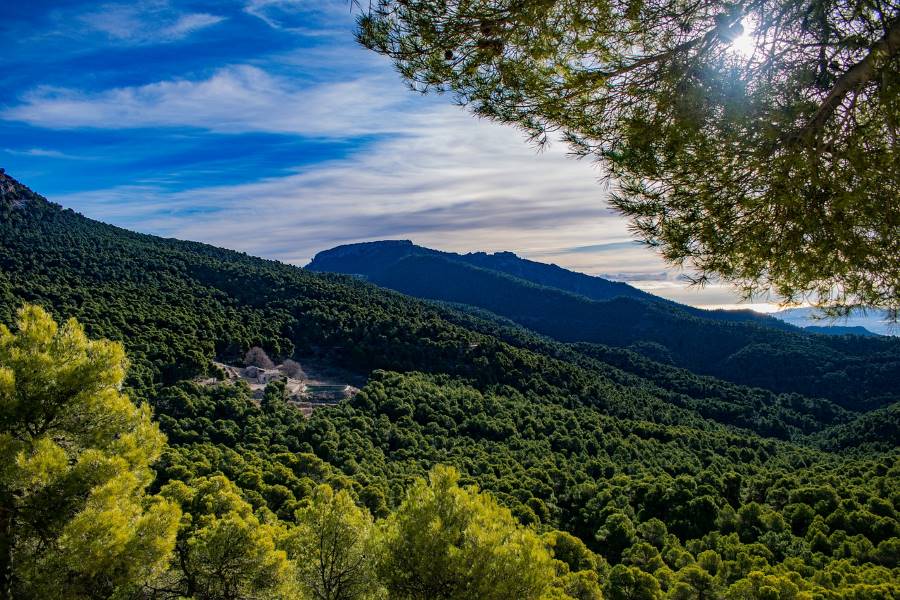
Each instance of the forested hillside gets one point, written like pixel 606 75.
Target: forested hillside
pixel 672 484
pixel 373 257
pixel 857 373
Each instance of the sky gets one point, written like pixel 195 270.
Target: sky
pixel 261 126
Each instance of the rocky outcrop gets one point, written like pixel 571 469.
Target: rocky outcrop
pixel 303 393
pixel 14 195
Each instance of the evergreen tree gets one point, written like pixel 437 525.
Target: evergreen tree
pixel 75 458
pixel 334 548
pixel 756 140
pixel 450 542
pixel 224 551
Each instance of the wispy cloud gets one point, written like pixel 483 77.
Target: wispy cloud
pixel 145 22
pixel 283 76
pixel 639 276
pixel 189 23
pixel 316 18
pixel 42 153
pixel 448 181
pixel 607 247
pixel 234 99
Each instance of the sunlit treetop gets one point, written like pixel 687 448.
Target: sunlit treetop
pixel 75 457
pixel 753 141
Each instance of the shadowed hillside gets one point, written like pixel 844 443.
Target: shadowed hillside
pixel 743 347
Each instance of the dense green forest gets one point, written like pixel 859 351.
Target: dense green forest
pixel 599 472
pixel 750 349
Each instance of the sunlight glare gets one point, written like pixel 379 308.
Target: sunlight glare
pixel 744 44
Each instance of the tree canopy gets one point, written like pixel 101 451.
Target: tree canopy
pixel 448 542
pixel 599 473
pixel 75 454
pixel 755 141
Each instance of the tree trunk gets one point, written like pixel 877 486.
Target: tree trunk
pixel 6 548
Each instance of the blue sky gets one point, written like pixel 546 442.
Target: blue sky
pixel 260 125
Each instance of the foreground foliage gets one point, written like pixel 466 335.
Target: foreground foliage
pixel 447 542
pixel 755 140
pixel 761 532
pixel 75 452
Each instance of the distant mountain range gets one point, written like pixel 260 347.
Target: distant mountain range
pixel 869 322
pixel 740 346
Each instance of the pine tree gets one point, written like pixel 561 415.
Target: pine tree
pixel 754 140
pixel 75 521
pixel 450 542
pixel 334 548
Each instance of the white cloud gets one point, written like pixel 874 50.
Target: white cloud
pixel 145 22
pixel 435 175
pixel 449 182
pixel 234 99
pixel 189 23
pixel 316 18
pixel 712 295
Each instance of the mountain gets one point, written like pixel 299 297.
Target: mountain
pixel 179 305
pixel 839 330
pixel 743 347
pixel 666 474
pixel 859 322
pixel 367 259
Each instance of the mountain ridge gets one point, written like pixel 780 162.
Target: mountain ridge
pixel 873 321
pixel 547 274
pixel 744 348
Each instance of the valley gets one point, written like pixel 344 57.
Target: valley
pixel 655 472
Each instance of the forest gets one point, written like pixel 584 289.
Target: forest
pixel 738 346
pixel 482 459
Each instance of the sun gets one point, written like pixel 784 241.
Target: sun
pixel 744 44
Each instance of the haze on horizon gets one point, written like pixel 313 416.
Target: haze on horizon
pixel 260 125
